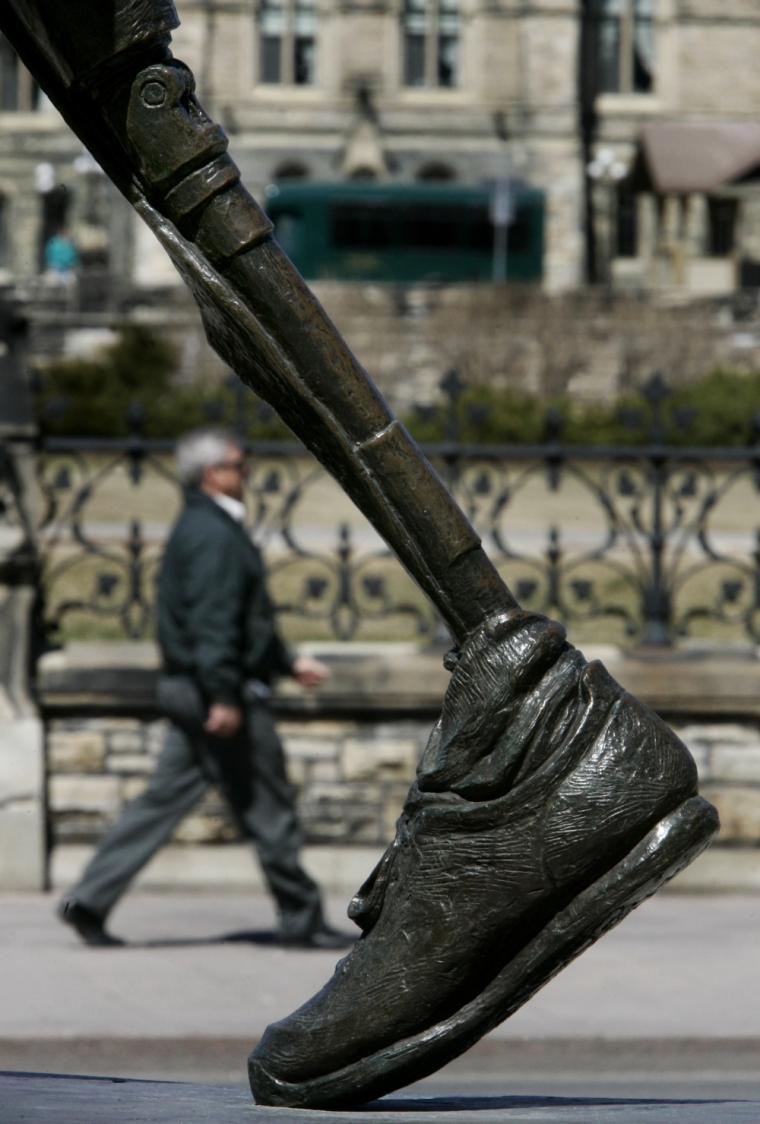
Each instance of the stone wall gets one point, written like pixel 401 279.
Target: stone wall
pixel 728 760
pixel 351 778
pixel 409 337
pixel 352 748
pixel 585 346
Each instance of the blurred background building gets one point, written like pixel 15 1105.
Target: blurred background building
pixel 441 116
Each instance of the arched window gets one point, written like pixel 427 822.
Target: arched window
pixel 436 171
pixel 287 42
pixel 431 43
pixel 626 46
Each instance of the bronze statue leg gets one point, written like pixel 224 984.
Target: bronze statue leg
pixel 548 802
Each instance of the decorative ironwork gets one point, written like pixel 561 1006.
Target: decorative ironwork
pixel 661 561
pixel 652 542
pixel 319 574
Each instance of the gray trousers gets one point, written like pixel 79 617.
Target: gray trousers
pixel 249 768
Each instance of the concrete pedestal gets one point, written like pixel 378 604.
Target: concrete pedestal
pixel 22 814
pixel 34 1099
pixel 22 764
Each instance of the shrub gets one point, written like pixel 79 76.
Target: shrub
pixel 131 385
pixel 721 409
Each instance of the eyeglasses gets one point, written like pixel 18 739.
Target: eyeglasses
pixel 236 466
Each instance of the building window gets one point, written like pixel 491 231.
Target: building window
pixel 626 46
pixel 55 204
pixel 626 222
pixel 4 246
pixel 431 43
pixel 18 90
pixel 722 227
pixel 287 42
pixel 436 171
pixel 291 170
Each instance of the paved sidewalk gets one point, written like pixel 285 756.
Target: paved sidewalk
pixel 681 967
pixel 672 996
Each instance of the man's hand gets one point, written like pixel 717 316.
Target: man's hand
pixel 310 672
pixel 223 721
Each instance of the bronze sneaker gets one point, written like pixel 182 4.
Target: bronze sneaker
pixel 548 804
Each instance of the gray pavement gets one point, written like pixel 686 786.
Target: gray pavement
pixel 665 1006
pixel 678 967
pixel 38 1100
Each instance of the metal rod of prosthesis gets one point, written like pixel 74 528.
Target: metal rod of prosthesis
pixel 106 65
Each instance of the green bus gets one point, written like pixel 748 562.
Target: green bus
pixel 404 233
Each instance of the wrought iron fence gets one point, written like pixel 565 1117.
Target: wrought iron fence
pixel 651 542
pixel 99 559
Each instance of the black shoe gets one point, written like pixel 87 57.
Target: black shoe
pixel 324 939
pixel 87 924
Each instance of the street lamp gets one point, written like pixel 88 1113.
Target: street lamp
pixel 501 209
pixel 86 165
pixel 45 179
pixel 501 216
pixel 607 170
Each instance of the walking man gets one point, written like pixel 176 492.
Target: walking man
pixel 220 651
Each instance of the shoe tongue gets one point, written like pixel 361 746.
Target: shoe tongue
pixel 497 668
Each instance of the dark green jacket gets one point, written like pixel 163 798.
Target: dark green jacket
pixel 215 619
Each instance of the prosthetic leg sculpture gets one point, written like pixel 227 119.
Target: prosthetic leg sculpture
pixel 548 803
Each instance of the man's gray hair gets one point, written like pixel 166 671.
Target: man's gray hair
pixel 200 448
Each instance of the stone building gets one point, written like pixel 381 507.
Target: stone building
pixel 456 91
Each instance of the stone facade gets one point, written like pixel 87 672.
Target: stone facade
pixel 508 99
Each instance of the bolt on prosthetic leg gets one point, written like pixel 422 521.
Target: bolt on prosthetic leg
pixel 548 802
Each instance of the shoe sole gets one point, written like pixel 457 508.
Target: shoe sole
pixel 659 856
